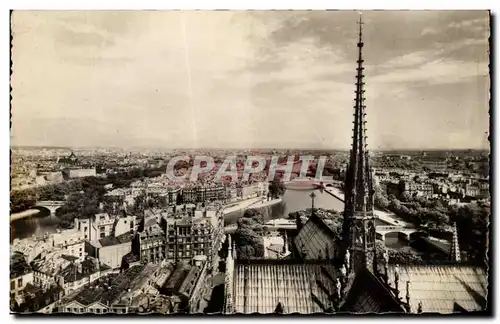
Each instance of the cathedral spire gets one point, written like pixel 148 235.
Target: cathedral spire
pixel 359 223
pixel 455 248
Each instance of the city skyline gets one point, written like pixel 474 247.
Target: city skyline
pixel 248 79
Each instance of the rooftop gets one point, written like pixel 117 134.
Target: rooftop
pixel 131 258
pixel 112 288
pixel 299 287
pixel 89 266
pixel 175 281
pixel 51 263
pixel 440 288
pixel 37 298
pixel 367 294
pixel 191 279
pixel 112 240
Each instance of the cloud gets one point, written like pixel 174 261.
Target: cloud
pixel 468 23
pixel 230 79
pixel 436 72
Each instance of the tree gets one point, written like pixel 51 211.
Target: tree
pixel 381 200
pixel 249 243
pixel 21 200
pixel 254 214
pixel 404 256
pixel 248 222
pixel 277 188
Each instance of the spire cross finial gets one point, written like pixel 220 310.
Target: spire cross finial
pixel 360 18
pixel 312 195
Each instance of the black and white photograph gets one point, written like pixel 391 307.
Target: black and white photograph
pixel 242 162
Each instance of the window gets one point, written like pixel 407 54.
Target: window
pixel 20 282
pixel 81 249
pixel 102 234
pixel 85 229
pixel 91 310
pixel 98 310
pixel 12 285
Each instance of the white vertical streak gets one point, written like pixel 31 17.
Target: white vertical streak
pixel 190 83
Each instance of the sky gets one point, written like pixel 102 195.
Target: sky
pixel 248 79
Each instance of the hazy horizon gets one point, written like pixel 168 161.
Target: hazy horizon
pixel 249 79
pixel 241 148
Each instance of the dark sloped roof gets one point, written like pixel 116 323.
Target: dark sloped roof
pixel 190 281
pixel 440 287
pixel 88 267
pixel 39 298
pixel 368 294
pixel 174 282
pixel 131 258
pixel 299 287
pixel 112 240
pixel 315 240
pixel 108 290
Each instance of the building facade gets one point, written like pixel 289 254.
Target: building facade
pixel 199 231
pixel 21 274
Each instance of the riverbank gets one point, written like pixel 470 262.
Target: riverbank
pixel 241 205
pixel 266 203
pixel 387 217
pixel 24 214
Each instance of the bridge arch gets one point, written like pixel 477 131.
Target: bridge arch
pixel 43 210
pixel 51 206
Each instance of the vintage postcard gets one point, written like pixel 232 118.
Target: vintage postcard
pixel 250 162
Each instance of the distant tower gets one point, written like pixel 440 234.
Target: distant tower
pixel 455 248
pixel 359 218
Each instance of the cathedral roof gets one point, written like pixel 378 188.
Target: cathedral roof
pixel 368 294
pixel 443 288
pixel 291 287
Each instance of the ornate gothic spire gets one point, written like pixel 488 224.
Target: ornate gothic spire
pixel 228 279
pixel 455 248
pixel 359 219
